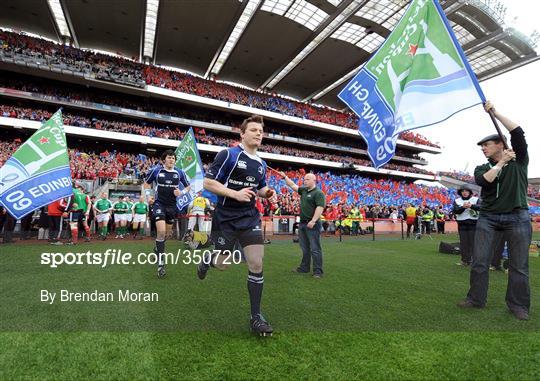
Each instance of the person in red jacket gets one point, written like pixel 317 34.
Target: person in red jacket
pixel 55 210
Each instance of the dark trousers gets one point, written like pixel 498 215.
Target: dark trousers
pixel 9 226
pixel 355 227
pixel 54 227
pixel 310 243
pixel 515 228
pixel 440 227
pixel 496 261
pixel 26 224
pixel 426 227
pixel 466 230
pixel 153 229
pixel 2 220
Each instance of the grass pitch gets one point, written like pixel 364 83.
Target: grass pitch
pixel 384 310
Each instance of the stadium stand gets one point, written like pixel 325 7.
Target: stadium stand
pixel 148 129
pixel 461 176
pixel 128 72
pixel 343 191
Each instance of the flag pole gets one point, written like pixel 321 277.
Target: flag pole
pixel 273 170
pixel 496 124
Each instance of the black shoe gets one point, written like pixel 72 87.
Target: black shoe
pixel 520 314
pixel 202 270
pixel 317 276
pixel 298 271
pixel 161 272
pixel 259 326
pixel 467 303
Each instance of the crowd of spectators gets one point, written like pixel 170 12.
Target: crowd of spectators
pixel 415 137
pixel 533 192
pixel 342 190
pixel 381 198
pixel 127 71
pixel 7 149
pixel 73 94
pixel 102 66
pixel 203 136
pixel 348 190
pixel 459 175
pixel 90 165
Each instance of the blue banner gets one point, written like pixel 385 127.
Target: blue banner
pixel 38 191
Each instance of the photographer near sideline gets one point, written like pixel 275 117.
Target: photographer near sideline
pixel 466 208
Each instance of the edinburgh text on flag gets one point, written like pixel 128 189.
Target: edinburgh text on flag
pixel 38 172
pixel 418 77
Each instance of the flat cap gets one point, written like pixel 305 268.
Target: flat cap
pixel 494 137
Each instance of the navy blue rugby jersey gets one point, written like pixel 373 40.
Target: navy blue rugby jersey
pixel 237 169
pixel 166 181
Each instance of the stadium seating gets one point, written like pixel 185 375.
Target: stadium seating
pixel 461 176
pixel 154 130
pixel 343 190
pixel 347 190
pixel 125 71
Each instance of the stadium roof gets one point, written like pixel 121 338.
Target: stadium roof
pixel 305 49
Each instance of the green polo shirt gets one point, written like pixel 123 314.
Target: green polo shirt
pixel 103 205
pixel 140 208
pixel 309 201
pixel 121 207
pixel 509 190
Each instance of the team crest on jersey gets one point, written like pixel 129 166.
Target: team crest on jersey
pixel 175 176
pixel 242 164
pixel 260 170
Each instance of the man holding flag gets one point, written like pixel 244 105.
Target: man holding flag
pixel 419 77
pixel 504 215
pixel 38 172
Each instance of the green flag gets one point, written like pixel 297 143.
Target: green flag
pixel 38 172
pixel 418 77
pixel 189 160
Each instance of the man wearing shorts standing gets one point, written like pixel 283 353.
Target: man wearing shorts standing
pixel 102 210
pixel 238 176
pixel 140 213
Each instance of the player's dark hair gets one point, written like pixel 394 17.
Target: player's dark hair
pixel 251 119
pixel 168 152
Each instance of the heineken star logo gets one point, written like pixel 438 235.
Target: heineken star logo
pixel 44 140
pixel 189 158
pixel 412 49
